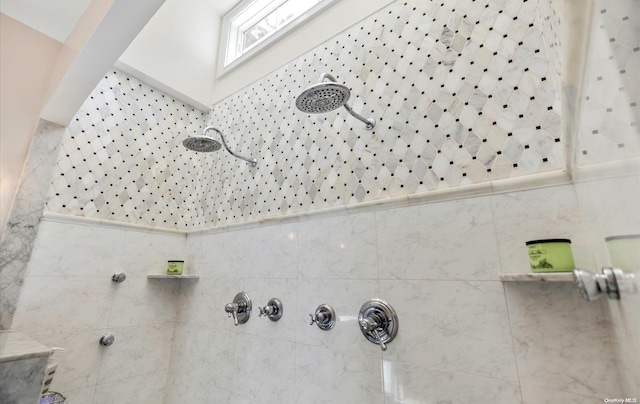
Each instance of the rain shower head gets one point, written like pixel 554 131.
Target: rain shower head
pixel 323 97
pixel 206 144
pixel 327 96
pixel 202 143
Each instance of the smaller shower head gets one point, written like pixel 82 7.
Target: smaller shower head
pixel 204 143
pixel 326 97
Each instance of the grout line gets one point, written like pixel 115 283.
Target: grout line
pixel 504 294
pixel 513 344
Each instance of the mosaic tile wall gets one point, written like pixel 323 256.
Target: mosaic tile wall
pixel 460 92
pixel 123 160
pixel 609 126
pixel 550 14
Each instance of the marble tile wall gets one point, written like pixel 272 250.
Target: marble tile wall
pixel 463 334
pixel 21 380
pixel 122 158
pixel 612 209
pixel 68 300
pixel 609 128
pixel 462 92
pixel 24 218
pixel 609 131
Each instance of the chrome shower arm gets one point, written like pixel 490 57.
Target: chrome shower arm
pixel 253 162
pixel 327 76
pixel 370 123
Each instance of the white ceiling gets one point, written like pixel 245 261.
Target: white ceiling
pixel 53 18
pixel 57 19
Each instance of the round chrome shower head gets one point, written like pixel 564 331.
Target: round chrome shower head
pixel 323 97
pixel 202 143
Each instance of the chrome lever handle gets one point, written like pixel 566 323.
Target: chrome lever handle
pixel 382 344
pixel 369 325
pixel 239 309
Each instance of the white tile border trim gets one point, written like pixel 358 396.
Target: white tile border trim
pixel 544 180
pixel 87 221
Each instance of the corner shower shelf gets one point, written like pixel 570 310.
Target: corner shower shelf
pixel 542 277
pixel 165 276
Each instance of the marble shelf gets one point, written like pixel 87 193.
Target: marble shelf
pixel 542 277
pixel 165 276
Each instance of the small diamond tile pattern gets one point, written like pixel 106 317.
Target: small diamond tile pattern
pixel 460 90
pixel 609 127
pixel 122 158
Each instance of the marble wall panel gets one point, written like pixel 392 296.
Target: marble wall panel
pixel 22 225
pixel 423 242
pixel 554 331
pixel 69 301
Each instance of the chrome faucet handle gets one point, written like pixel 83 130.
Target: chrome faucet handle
pixel 265 311
pixel 239 309
pixel 324 317
pixel 370 325
pixel 273 310
pixel 232 310
pixel 317 318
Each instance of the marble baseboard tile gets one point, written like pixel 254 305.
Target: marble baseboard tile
pixel 24 218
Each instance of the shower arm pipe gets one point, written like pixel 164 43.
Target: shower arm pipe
pixel 253 162
pixel 369 122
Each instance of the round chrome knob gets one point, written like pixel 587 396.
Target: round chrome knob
pixel 324 317
pixel 107 339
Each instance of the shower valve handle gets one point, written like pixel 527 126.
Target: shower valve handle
pixel 378 322
pixel 232 309
pixel 370 325
pixel 318 318
pixel 239 309
pixel 324 317
pixel 273 310
pixel 266 311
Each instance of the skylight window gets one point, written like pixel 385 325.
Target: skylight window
pixel 253 25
